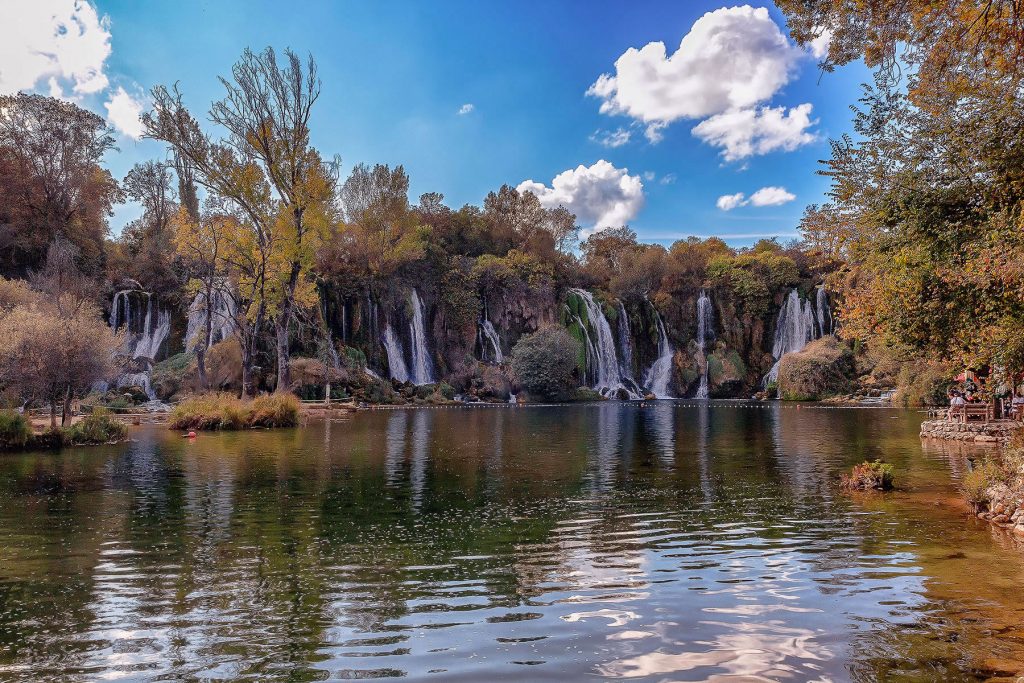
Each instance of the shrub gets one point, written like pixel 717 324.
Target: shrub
pixel 867 476
pixel 823 368
pixel 15 430
pixel 544 361
pixel 979 480
pixel 923 383
pixel 97 428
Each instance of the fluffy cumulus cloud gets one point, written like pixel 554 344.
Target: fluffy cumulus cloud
pixel 745 132
pixel 601 195
pixel 728 202
pixel 771 196
pixel 124 112
pixel 766 196
pixel 64 43
pixel 466 109
pixel 732 60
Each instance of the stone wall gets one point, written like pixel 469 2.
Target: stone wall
pixel 978 432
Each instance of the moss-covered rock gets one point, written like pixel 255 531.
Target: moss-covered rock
pixel 824 368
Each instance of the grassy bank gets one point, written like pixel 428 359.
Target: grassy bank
pixel 16 432
pixel 226 411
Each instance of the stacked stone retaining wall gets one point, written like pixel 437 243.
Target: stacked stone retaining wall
pixel 998 432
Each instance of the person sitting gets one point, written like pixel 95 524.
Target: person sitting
pixel 956 404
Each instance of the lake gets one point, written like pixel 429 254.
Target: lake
pixel 671 541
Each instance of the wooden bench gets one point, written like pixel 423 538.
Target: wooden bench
pixel 972 412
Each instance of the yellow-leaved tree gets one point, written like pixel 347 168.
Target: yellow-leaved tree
pixel 266 175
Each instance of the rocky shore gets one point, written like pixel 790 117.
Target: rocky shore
pixel 997 432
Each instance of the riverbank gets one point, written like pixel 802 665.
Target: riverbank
pixel 987 433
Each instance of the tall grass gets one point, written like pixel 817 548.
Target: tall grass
pixel 15 430
pixel 226 411
pixel 97 428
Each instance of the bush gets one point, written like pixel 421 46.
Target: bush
pixel 97 428
pixel 923 383
pixel 226 411
pixel 15 430
pixel 823 368
pixel 544 361
pixel 976 483
pixel 867 476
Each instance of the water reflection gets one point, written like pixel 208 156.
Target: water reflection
pixel 672 541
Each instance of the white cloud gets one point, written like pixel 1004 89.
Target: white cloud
pixel 819 46
pixel 732 58
pixel 669 179
pixel 771 196
pixel 59 40
pixel 649 176
pixel 466 108
pixel 728 202
pixel 746 132
pixel 123 112
pixel 766 196
pixel 601 195
pixel 611 138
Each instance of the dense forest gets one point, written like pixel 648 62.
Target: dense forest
pixel 258 265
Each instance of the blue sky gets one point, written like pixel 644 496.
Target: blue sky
pixel 396 74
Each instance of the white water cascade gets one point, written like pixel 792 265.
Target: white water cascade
pixel 490 335
pixel 222 318
pixel 659 375
pixel 705 333
pixel 602 361
pixel 142 340
pixel 422 367
pixel 396 356
pixel 799 323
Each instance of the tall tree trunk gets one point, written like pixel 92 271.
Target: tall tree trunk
pixel 246 368
pixel 66 412
pixel 284 380
pixel 53 414
pixel 204 383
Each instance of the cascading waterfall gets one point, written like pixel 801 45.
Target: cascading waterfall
pixel 797 325
pixel 422 367
pixel 142 342
pixel 222 318
pixel 488 336
pixel 705 333
pixel 659 375
pixel 602 361
pixel 826 325
pixel 625 346
pixel 396 356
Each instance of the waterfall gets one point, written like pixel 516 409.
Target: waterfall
pixel 490 335
pixel 144 340
pixel 797 325
pixel 422 367
pixel 826 324
pixel 396 356
pixel 602 361
pixel 659 375
pixel 705 333
pixel 223 315
pixel 625 344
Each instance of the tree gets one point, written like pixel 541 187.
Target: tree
pixel 267 169
pixel 148 240
pixel 925 205
pixel 544 363
pixel 51 181
pixel 52 351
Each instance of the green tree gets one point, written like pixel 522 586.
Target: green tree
pixel 544 363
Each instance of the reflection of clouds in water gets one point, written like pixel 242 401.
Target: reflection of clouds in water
pixel 764 651
pixel 615 617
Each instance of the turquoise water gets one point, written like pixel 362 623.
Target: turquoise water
pixel 675 541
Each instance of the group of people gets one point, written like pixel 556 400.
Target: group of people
pixel 1012 406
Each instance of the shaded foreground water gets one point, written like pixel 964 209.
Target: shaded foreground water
pixel 676 541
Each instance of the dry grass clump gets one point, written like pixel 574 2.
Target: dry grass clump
pixel 226 411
